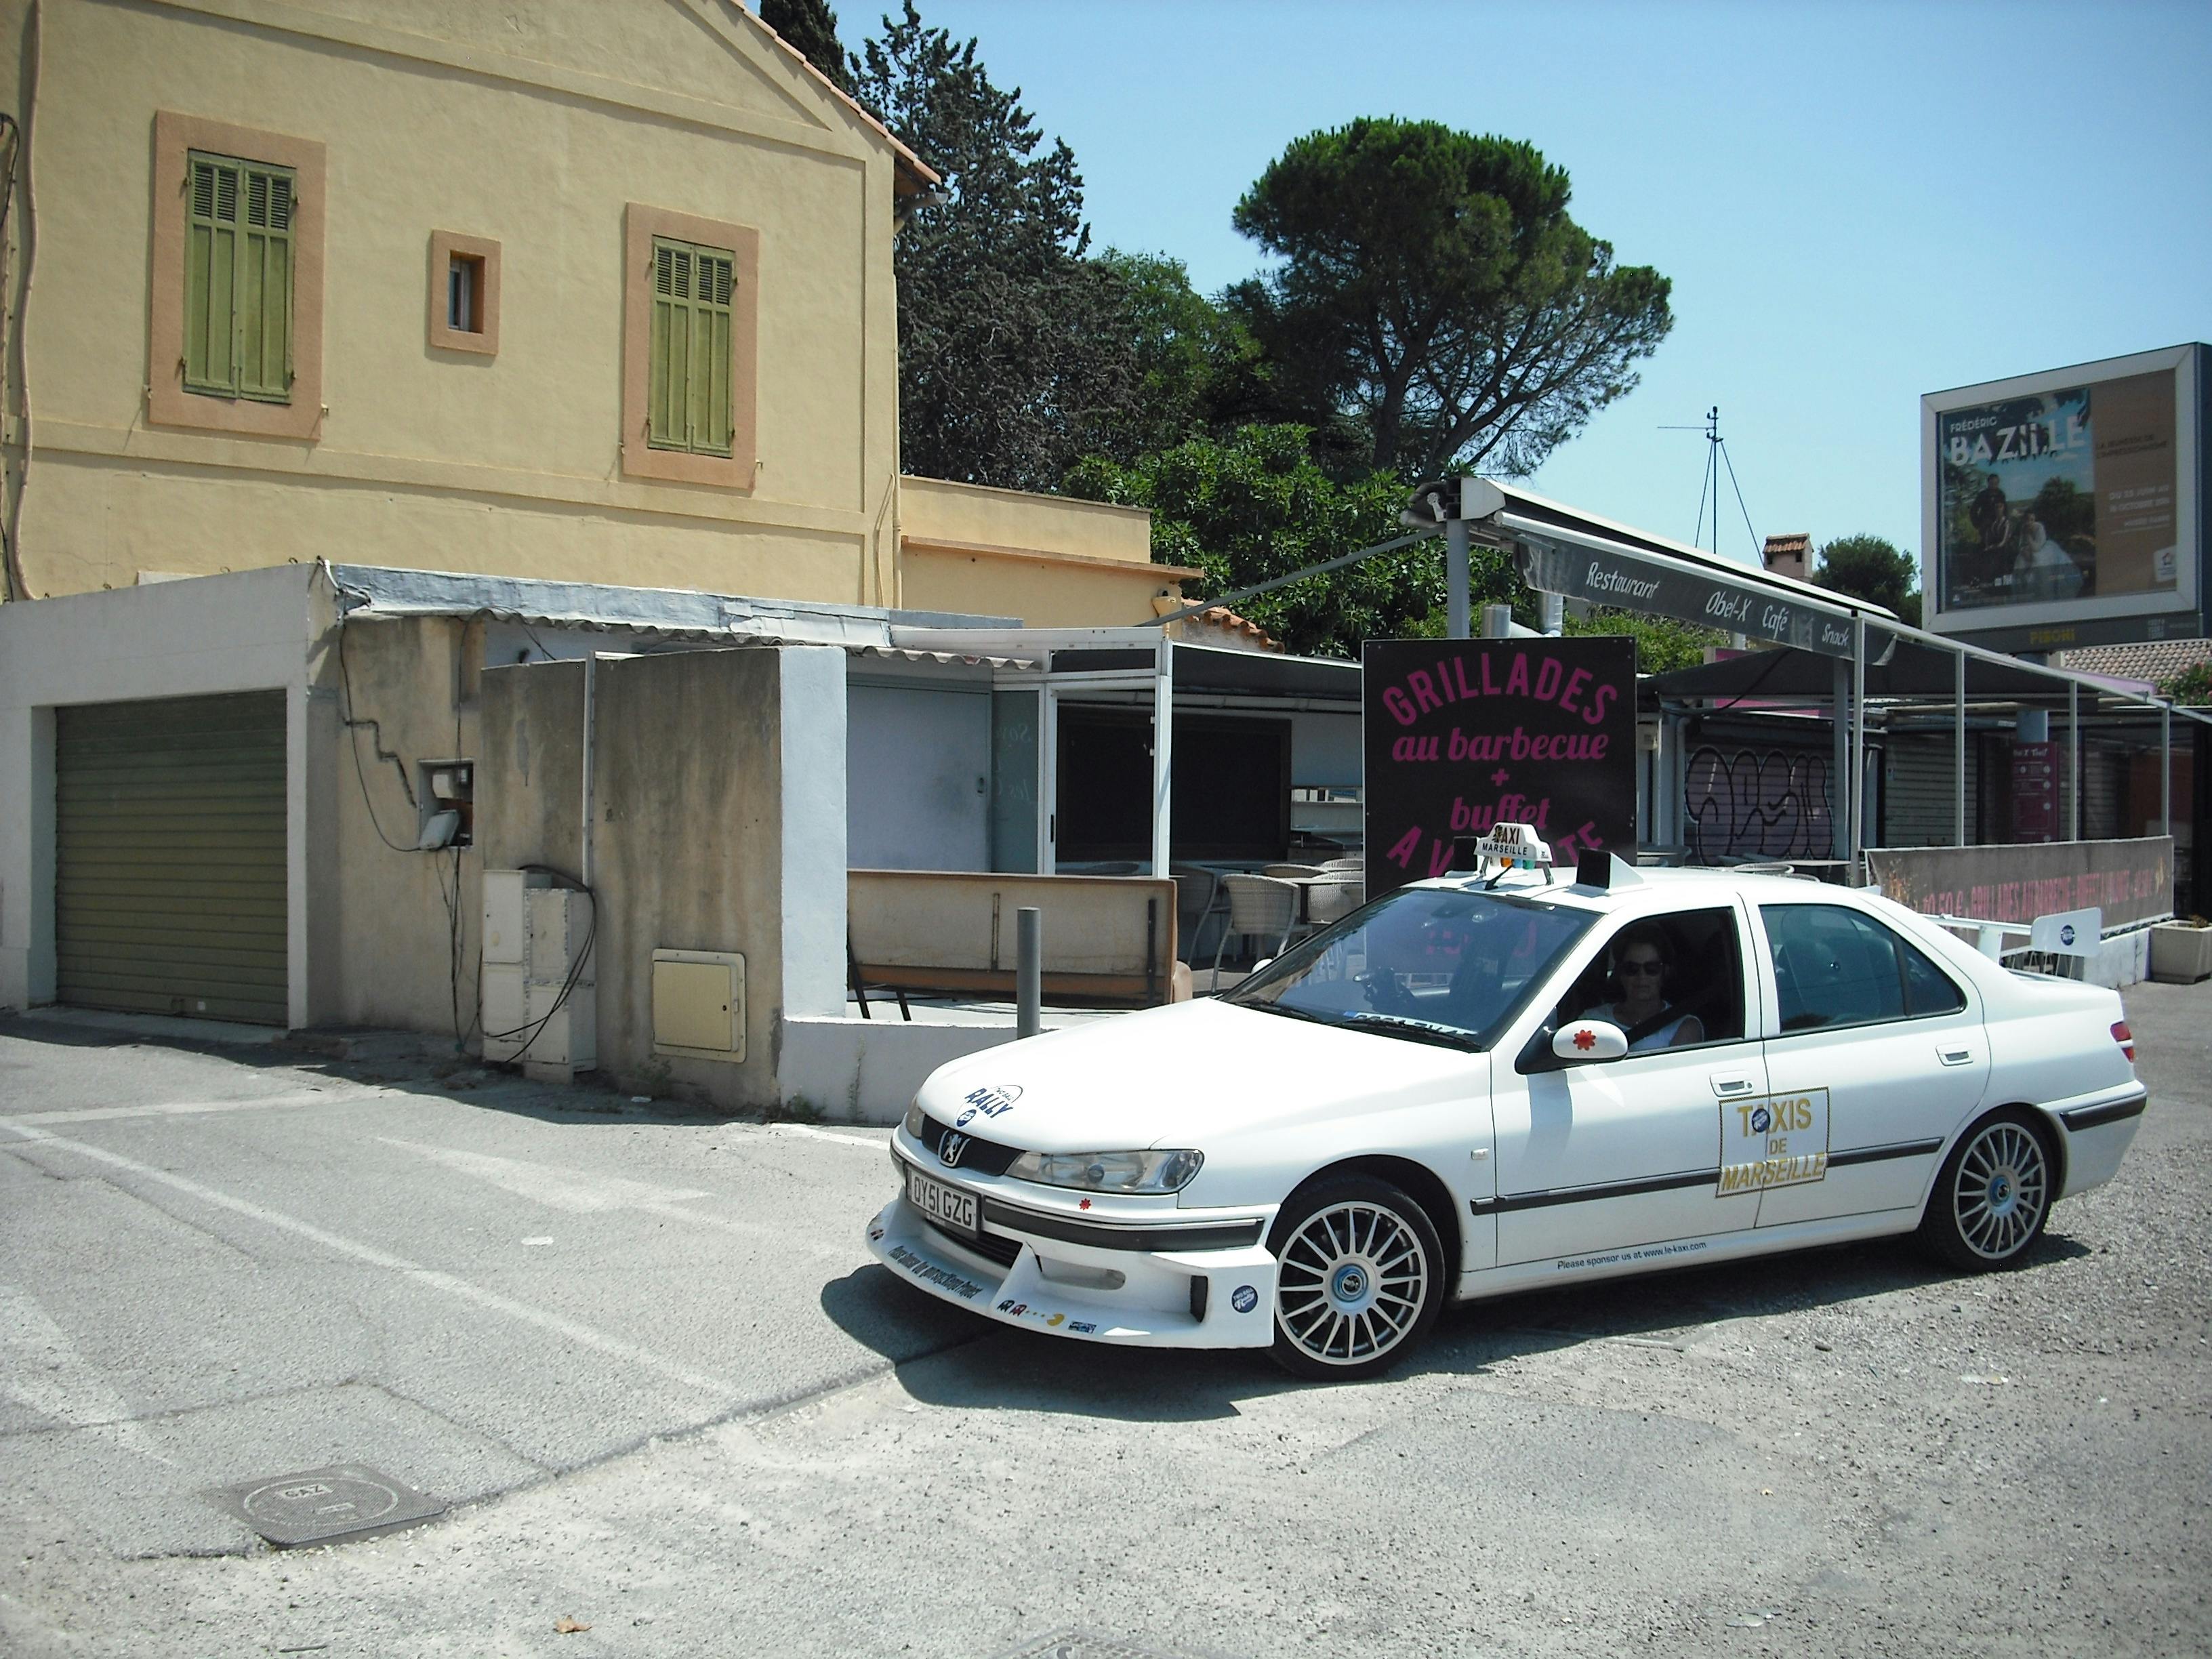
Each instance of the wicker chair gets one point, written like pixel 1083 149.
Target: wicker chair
pixel 1260 906
pixel 1198 899
pixel 1335 894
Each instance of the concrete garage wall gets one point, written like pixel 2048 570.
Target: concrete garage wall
pixel 417 678
pixel 718 825
pixel 248 632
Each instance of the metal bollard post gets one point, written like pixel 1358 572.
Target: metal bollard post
pixel 1029 971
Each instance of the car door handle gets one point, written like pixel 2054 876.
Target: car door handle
pixel 1726 1084
pixel 1958 1054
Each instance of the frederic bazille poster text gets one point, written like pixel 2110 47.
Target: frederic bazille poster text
pixel 1463 734
pixel 2065 494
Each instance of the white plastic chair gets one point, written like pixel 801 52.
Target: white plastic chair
pixel 1260 906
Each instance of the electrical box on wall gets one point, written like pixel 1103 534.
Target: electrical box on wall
pixel 444 801
pixel 699 1005
pixel 539 986
pixel 506 922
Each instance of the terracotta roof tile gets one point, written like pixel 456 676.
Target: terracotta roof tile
pixel 1221 617
pixel 2156 660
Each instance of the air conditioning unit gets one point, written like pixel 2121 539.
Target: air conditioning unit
pixel 540 989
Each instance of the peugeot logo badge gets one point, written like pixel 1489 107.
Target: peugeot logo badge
pixel 951 1150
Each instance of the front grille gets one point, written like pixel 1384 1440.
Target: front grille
pixel 984 1156
pixel 991 1247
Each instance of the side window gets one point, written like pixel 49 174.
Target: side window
pixel 690 345
pixel 1928 989
pixel 690 349
pixel 1833 967
pixel 1694 996
pixel 238 279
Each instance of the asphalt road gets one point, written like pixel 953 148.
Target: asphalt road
pixel 646 1362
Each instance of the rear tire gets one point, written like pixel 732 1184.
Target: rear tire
pixel 1993 1196
pixel 1358 1277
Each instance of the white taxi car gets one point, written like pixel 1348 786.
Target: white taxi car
pixel 1478 1084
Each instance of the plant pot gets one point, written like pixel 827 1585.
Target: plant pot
pixel 2180 954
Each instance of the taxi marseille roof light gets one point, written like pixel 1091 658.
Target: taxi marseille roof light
pixel 1515 847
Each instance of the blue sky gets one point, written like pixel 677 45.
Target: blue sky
pixel 1858 202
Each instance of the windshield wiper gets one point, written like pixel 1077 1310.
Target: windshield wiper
pixel 1278 1008
pixel 1419 1030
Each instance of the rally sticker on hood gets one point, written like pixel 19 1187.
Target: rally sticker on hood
pixel 993 1100
pixel 1780 1141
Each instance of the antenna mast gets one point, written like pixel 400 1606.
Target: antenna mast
pixel 1708 485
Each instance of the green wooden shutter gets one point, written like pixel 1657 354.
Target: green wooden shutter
pixel 265 287
pixel 689 394
pixel 211 276
pixel 710 398
pixel 238 279
pixel 671 345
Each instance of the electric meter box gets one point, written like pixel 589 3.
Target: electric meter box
pixel 539 998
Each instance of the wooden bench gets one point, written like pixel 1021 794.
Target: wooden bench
pixel 1108 940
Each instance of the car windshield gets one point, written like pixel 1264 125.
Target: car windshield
pixel 1426 964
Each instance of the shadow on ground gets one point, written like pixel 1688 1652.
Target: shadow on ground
pixel 999 1368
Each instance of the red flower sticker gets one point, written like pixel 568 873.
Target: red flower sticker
pixel 1586 1039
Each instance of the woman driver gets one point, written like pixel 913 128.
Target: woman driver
pixel 1641 961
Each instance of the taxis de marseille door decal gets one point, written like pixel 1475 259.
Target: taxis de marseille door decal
pixel 1779 1141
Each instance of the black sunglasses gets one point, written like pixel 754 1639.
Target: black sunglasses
pixel 1639 967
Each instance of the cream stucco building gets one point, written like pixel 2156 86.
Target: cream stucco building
pixel 359 356
pixel 586 290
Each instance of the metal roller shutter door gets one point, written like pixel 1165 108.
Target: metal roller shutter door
pixel 1918 773
pixel 169 891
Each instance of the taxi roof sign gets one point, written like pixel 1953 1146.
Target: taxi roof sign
pixel 1516 844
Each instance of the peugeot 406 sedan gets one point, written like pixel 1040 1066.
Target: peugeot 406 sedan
pixel 1475 1085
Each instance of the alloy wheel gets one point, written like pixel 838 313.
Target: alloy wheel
pixel 2000 1190
pixel 1351 1284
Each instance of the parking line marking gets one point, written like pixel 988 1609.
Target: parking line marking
pixel 812 1134
pixel 41 1368
pixel 547 1183
pixel 564 1189
pixel 460 1289
pixel 190 1108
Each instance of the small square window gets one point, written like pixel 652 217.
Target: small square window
pixel 464 275
pixel 463 293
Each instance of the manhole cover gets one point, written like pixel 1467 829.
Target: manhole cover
pixel 1083 1644
pixel 323 1506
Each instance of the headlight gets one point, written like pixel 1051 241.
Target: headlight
pixel 914 1119
pixel 1110 1172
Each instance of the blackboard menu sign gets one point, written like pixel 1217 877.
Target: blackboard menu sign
pixel 1463 734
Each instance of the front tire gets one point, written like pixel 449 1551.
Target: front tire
pixel 1993 1196
pixel 1358 1279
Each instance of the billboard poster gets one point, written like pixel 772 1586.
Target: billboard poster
pixel 2063 506
pixel 1460 735
pixel 2066 495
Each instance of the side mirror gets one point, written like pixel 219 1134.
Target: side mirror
pixel 1260 966
pixel 1582 1040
